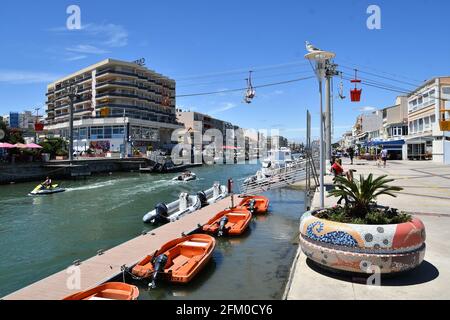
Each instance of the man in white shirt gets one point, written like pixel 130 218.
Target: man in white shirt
pixel 384 156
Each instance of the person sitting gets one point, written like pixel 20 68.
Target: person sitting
pixel 337 168
pixel 47 183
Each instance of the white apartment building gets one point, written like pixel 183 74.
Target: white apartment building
pixel 425 140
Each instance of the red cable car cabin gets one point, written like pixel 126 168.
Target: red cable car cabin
pixel 355 94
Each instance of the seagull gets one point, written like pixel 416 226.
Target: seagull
pixel 311 48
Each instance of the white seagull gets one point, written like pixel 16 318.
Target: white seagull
pixel 311 48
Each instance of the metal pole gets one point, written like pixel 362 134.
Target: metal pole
pixel 71 97
pixel 124 135
pixel 322 155
pixel 328 117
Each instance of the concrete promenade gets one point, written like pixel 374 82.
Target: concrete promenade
pixel 426 194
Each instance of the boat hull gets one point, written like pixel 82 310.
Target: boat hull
pixel 108 291
pixel 238 222
pixel 187 256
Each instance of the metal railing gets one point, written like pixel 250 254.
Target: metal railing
pixel 299 170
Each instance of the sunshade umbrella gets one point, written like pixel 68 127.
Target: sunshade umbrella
pixel 20 146
pixel 4 145
pixel 33 146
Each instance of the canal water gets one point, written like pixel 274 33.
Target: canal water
pixel 43 235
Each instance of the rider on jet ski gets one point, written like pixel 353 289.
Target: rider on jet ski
pixel 47 183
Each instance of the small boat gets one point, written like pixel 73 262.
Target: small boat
pixel 173 211
pixel 210 196
pixel 185 176
pixel 255 204
pixel 186 204
pixel 42 190
pixel 108 291
pixel 229 222
pixel 178 260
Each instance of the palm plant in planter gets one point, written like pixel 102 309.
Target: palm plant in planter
pixel 360 206
pixel 361 235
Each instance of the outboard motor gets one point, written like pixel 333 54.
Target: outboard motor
pixel 252 206
pixel 222 226
pixel 161 214
pixel 203 198
pixel 158 266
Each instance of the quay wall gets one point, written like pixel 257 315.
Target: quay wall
pixel 29 172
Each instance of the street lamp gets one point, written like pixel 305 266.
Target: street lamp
pixel 320 58
pixel 72 94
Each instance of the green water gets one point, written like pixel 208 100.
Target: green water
pixel 43 235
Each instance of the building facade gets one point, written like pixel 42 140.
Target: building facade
pixel 119 104
pixel 425 140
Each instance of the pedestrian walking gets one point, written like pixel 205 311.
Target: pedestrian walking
pixel 384 156
pixel 351 154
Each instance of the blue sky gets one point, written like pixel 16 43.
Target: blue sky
pixel 188 40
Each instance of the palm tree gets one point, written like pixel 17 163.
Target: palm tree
pixel 360 194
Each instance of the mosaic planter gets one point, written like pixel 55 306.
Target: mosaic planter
pixel 363 248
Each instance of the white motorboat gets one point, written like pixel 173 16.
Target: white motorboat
pixel 185 176
pixel 277 159
pixel 210 196
pixel 173 211
pixel 186 204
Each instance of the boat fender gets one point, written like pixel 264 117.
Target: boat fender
pixel 222 226
pixel 159 266
pixel 203 198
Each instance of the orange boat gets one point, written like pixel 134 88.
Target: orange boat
pixel 178 260
pixel 108 291
pixel 255 204
pixel 231 222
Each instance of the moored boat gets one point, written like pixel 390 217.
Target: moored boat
pixel 229 222
pixel 166 213
pixel 255 204
pixel 107 291
pixel 178 260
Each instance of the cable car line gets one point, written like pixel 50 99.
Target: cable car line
pixel 242 89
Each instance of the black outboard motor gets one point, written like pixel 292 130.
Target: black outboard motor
pixel 252 206
pixel 161 214
pixel 203 198
pixel 222 226
pixel 158 266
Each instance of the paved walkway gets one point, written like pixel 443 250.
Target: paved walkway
pixel 427 194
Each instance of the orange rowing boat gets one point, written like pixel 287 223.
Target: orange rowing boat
pixel 108 291
pixel 255 204
pixel 178 260
pixel 231 222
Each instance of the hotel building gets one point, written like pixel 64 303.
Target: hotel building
pixel 425 139
pixel 117 102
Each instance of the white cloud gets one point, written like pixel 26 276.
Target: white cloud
pixel 26 77
pixel 94 39
pixel 367 109
pixel 115 35
pixel 75 57
pixel 226 106
pixel 86 48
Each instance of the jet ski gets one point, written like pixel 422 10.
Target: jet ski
pixel 164 213
pixel 42 190
pixel 185 176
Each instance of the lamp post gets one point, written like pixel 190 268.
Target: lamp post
pixel 72 94
pixel 321 59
